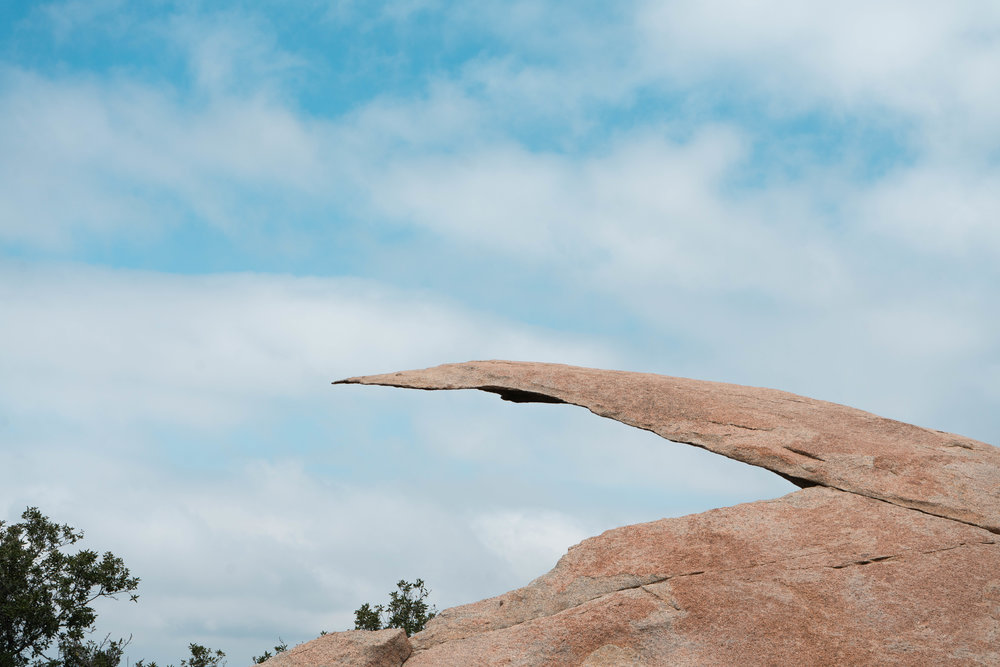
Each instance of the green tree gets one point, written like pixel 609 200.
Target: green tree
pixel 91 654
pixel 280 648
pixel 407 609
pixel 201 656
pixel 46 594
pixel 204 657
pixel 368 618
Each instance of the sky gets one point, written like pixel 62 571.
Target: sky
pixel 209 211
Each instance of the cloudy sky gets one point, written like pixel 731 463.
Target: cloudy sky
pixel 211 210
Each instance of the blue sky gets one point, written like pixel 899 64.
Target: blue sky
pixel 209 211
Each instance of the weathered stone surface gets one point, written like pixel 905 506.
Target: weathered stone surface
pixel 357 648
pixel 803 439
pixel 889 555
pixel 819 576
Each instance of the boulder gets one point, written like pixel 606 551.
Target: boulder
pixel 354 648
pixel 887 555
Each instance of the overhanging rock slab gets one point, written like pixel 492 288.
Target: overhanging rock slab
pixel 888 555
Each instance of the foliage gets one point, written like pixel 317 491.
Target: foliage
pixel 91 654
pixel 406 609
pixel 204 657
pixel 46 594
pixel 280 648
pixel 200 657
pixel 46 597
pixel 367 618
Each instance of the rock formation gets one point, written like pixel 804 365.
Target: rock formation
pixel 354 648
pixel 887 555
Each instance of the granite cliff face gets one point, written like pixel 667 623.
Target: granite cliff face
pixel 888 554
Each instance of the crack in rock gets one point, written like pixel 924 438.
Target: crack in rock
pixel 866 561
pixel 660 598
pixel 904 553
pixel 742 426
pixel 802 452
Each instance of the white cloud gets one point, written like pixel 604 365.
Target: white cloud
pixel 936 336
pixel 948 210
pixel 649 214
pixel 853 49
pixel 446 118
pixel 229 50
pixel 89 344
pixel 70 16
pixel 99 159
pixel 639 210
pixel 530 541
pixel 930 62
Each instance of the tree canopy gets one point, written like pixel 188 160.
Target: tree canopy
pixel 46 594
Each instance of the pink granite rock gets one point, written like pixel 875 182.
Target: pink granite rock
pixel 819 576
pixel 888 555
pixel 358 648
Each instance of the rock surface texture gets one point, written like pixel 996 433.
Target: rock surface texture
pixel 355 648
pixel 888 554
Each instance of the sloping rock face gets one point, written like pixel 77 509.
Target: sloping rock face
pixel 888 555
pixel 355 648
pixel 817 577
